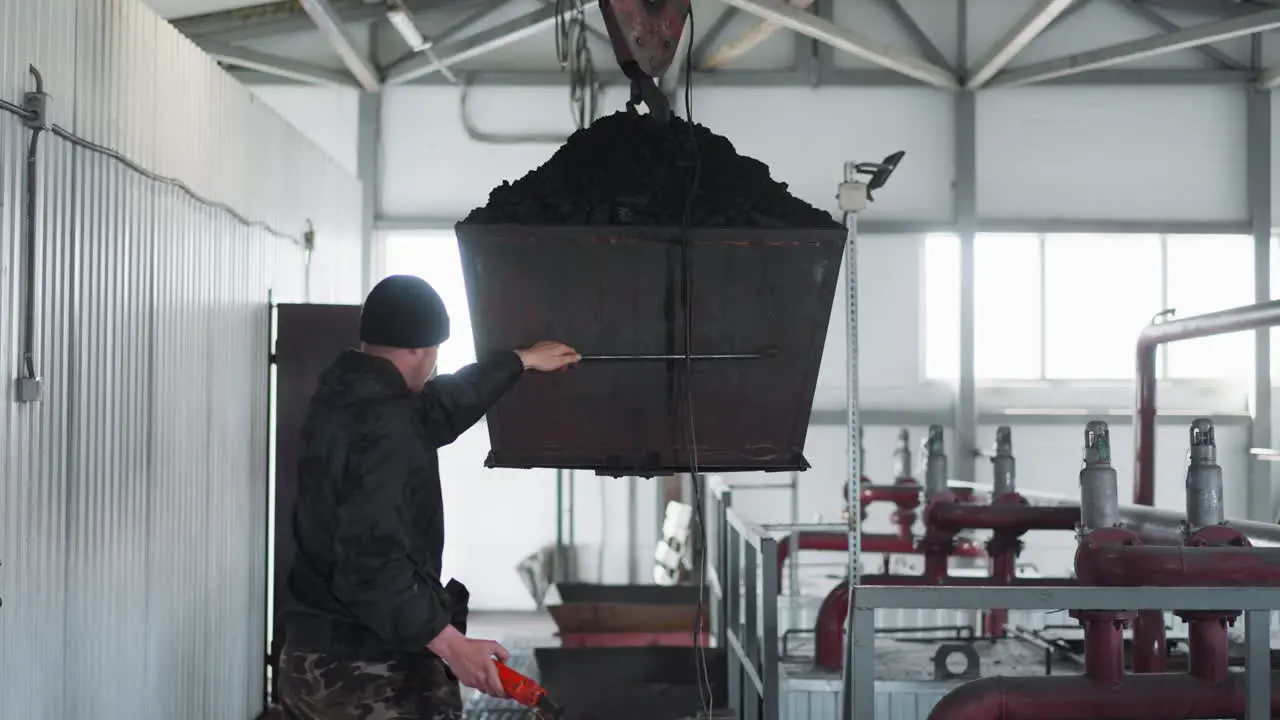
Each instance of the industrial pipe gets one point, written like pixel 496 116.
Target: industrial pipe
pixel 935 463
pixel 1169 696
pixel 1149 635
pixel 1249 317
pixel 953 517
pixel 834 610
pixel 899 494
pixel 1005 544
pixel 1100 527
pixel 1143 565
pixel 1207 630
pixel 877 543
pixel 1155 525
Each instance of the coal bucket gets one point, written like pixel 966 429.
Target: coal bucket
pixel 761 301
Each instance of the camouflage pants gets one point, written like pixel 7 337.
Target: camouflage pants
pixel 315 686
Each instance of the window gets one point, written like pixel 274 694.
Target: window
pixel 1206 273
pixel 1070 307
pixel 1100 291
pixel 1007 302
pixel 942 307
pixel 433 256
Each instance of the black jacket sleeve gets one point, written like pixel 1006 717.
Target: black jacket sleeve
pixel 451 404
pixel 373 575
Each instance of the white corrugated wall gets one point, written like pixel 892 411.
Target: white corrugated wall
pixel 133 495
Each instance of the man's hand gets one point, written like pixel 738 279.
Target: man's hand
pixel 471 660
pixel 547 356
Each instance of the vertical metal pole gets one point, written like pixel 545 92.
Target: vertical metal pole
pixel 660 508
pixel 793 552
pixel 1258 166
pixel 853 704
pixel 560 554
pixel 733 596
pixel 771 692
pixel 1257 665
pixel 633 529
pixel 369 170
pixel 572 523
pixel 966 210
pixel 723 572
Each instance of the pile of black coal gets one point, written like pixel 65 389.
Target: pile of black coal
pixel 626 169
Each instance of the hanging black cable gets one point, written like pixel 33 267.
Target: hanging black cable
pixel 705 692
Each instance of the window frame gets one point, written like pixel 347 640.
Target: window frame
pixel 1224 395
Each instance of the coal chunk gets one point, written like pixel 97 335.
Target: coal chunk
pixel 627 169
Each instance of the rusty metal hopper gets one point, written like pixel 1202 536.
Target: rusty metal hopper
pixel 619 291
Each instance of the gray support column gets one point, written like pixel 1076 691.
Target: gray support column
pixel 966 212
pixel 1258 167
pixel 369 170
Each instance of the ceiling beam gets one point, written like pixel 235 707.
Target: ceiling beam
pixel 709 39
pixel 1153 17
pixel 485 41
pixel 1148 47
pixel 268 20
pixel 274 65
pixel 334 30
pixel 855 44
pixel 917 34
pixel 750 39
pixel 1033 22
pixel 675 73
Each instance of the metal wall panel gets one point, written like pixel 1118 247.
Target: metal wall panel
pixel 133 496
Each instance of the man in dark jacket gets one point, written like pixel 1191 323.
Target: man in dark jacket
pixel 371 633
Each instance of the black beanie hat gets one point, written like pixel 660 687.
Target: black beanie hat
pixel 403 311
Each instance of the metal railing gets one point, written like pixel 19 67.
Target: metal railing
pixel 745 610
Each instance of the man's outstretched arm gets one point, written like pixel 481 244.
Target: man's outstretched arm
pixel 452 404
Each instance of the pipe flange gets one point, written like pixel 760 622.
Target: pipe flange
pixel 1226 617
pixel 904 517
pixel 1009 498
pixel 937 543
pixel 1109 537
pixel 912 501
pixel 1121 618
pixel 946 651
pixel 1096 540
pixel 944 497
pixel 1218 536
pixel 1004 543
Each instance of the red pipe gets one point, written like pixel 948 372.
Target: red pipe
pixel 873 543
pixel 828 632
pixel 1150 339
pixel 1169 696
pixel 1144 565
pixel 1150 650
pixel 1103 646
pixel 954 517
pixel 1207 633
pixel 834 610
pixel 1249 317
pixel 902 495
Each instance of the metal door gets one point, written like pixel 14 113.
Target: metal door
pixel 308 338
